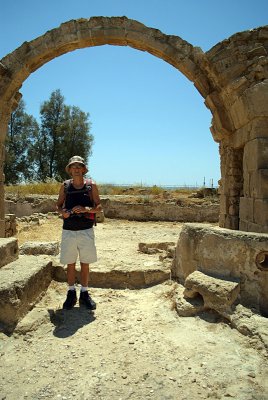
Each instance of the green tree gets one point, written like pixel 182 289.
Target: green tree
pixel 64 132
pixel 22 133
pixel 75 138
pixel 36 152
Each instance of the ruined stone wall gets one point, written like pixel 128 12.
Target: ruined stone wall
pixel 30 205
pixel 10 225
pixel 119 210
pixel 161 212
pixel 228 255
pixel 231 186
pixel 240 71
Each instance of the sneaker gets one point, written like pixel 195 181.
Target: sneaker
pixel 70 301
pixel 86 300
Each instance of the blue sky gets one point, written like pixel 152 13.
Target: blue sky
pixel 149 123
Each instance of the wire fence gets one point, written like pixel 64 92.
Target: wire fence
pixel 166 187
pixel 205 184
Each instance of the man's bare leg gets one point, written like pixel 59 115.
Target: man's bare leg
pixel 84 274
pixel 71 295
pixel 71 274
pixel 85 299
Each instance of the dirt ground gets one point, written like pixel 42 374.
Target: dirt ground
pixel 134 346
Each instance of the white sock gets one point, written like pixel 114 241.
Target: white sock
pixel 71 287
pixel 83 288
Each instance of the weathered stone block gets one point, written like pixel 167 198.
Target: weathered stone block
pixel 202 85
pixel 231 222
pixel 243 225
pixel 246 210
pixel 222 219
pixel 246 187
pixel 233 210
pixel 225 254
pixel 188 68
pixel 252 104
pixel 241 136
pixel 11 226
pixel 256 154
pixel 258 51
pixel 224 204
pixel 9 250
pixel 156 212
pixel 259 184
pixel 235 192
pixel 232 182
pixel 156 247
pixel 2 227
pixel 37 248
pixel 218 294
pixel 118 279
pixel 21 284
pixel 261 212
pixel 258 128
pixel 259 228
pixel 115 37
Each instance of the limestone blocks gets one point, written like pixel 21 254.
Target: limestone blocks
pixel 253 211
pixel 252 104
pixel 22 283
pixel 10 225
pixel 37 248
pixel 9 250
pixel 226 255
pixel 218 294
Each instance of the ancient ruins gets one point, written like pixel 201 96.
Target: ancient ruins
pixel 232 77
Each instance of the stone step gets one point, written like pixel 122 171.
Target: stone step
pixel 25 280
pixel 22 283
pixel 9 250
pixel 117 278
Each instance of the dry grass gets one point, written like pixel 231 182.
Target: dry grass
pixel 52 188
pixel 47 188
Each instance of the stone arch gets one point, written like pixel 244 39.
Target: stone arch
pixel 232 77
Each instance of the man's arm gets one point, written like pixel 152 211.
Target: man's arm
pixel 96 199
pixel 61 199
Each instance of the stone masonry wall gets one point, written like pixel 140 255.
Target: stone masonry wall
pixel 10 225
pixel 120 210
pixel 240 70
pixel 227 255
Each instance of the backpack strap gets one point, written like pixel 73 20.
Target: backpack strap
pixel 66 185
pixel 89 183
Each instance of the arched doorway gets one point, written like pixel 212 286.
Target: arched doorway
pixel 232 77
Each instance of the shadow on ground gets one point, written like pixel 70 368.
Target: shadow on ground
pixel 68 322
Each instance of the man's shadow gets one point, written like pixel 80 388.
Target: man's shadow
pixel 67 322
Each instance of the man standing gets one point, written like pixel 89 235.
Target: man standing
pixel 78 202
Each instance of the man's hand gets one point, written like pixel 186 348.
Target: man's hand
pixel 80 209
pixel 66 213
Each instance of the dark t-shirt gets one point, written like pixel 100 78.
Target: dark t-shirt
pixel 75 197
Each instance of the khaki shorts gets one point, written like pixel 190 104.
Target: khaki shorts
pixel 74 243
